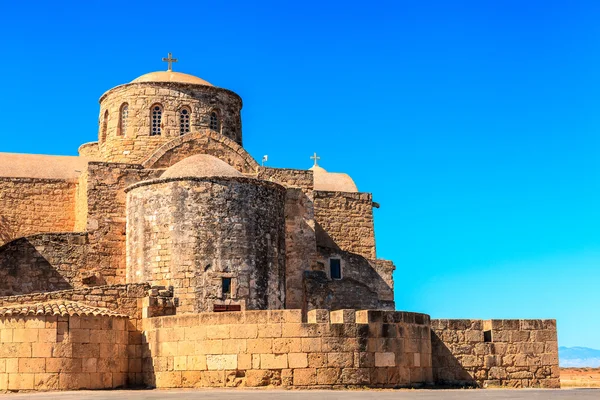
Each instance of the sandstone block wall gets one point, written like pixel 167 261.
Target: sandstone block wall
pixel 275 348
pixel 506 353
pixel 29 206
pixel 62 353
pixel 191 233
pixel 345 221
pixel 43 263
pixel 136 144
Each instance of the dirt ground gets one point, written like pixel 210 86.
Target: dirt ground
pixel 580 377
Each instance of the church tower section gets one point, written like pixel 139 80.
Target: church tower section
pixel 215 236
pixel 137 118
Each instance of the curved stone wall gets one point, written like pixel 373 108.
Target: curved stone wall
pixel 194 233
pixel 134 144
pixel 344 348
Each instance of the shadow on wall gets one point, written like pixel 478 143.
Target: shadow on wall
pixel 447 370
pixel 24 270
pixel 7 230
pixel 323 238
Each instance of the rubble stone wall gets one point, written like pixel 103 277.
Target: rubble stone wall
pixel 345 221
pixel 63 353
pixel 43 263
pixel 344 348
pixel 106 217
pixel 191 233
pixel 136 144
pixel 29 206
pixel 495 353
pixel 364 284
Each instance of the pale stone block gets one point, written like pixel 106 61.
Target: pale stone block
pixel 12 365
pixel 41 349
pixel 416 359
pixel 3 382
pixel 269 331
pixel 168 379
pixel 221 362
pixel 244 361
pixel 255 361
pixel 28 365
pixel 298 360
pixel 20 381
pixel 231 346
pixel 191 379
pixel 259 345
pixel 195 333
pixel 209 347
pixel 167 349
pixel 246 331
pixel 196 363
pixel 287 345
pixel 6 335
pixel 35 322
pixel 273 361
pixel 25 335
pixel 217 332
pixel 385 359
pixel 180 363
pixel 186 348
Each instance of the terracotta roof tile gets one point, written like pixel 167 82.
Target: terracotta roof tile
pixel 61 308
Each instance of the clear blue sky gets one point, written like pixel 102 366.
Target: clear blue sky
pixel 475 124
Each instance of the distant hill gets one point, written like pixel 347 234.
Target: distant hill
pixel 578 357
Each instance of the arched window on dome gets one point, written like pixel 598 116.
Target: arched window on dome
pixel 215 120
pixel 184 120
pixel 123 115
pixel 104 127
pixel 156 120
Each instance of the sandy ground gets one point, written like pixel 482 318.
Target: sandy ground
pixel 580 377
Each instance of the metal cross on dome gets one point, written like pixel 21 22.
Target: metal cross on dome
pixel 316 158
pixel 170 60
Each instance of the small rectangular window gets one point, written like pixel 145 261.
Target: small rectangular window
pixel 335 268
pixel 487 336
pixel 226 286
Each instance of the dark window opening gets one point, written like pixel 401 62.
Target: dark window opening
pixel 487 336
pixel 335 267
pixel 226 307
pixel 226 286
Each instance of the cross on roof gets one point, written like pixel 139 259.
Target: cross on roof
pixel 170 60
pixel 316 158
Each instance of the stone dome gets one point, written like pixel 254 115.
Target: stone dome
pixel 170 76
pixel 200 166
pixel 332 181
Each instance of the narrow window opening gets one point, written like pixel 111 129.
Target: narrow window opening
pixel 335 268
pixel 226 287
pixel 156 120
pixel 215 123
pixel 123 119
pixel 487 336
pixel 104 127
pixel 184 121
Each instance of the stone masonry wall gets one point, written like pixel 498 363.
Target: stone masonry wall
pixel 62 353
pixel 29 206
pixel 43 263
pixel 106 220
pixel 135 145
pixel 345 221
pixel 300 241
pixel 496 353
pixel 361 286
pixel 191 233
pixel 345 348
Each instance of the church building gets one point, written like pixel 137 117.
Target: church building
pixel 164 255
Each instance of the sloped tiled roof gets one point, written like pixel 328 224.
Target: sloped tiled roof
pixel 61 308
